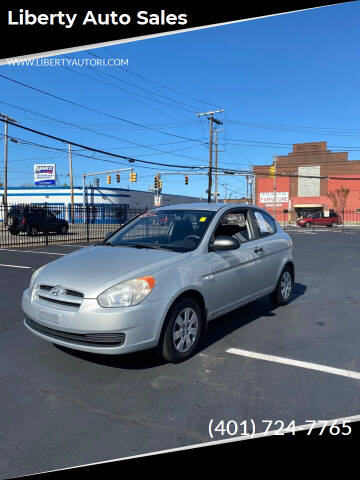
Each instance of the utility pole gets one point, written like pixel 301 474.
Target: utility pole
pixel 216 167
pixel 212 120
pixel 251 182
pixel 275 164
pixel 71 186
pixel 7 119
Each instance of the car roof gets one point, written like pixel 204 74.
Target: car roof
pixel 214 207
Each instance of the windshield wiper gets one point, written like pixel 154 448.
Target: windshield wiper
pixel 145 245
pixel 134 245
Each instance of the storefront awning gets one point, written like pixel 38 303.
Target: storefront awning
pixel 308 205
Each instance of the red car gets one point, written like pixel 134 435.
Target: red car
pixel 319 218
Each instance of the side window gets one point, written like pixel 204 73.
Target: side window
pixel 265 224
pixel 235 224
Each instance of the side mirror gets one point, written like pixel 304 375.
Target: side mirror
pixel 223 242
pixel 107 235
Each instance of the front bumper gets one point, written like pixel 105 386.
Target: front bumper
pixel 139 325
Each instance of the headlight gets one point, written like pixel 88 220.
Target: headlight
pixel 35 275
pixel 128 293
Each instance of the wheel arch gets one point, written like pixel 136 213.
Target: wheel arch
pixel 197 296
pixel 290 264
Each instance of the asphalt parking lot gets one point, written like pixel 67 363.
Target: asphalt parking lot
pixel 61 408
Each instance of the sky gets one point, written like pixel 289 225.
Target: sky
pixel 284 79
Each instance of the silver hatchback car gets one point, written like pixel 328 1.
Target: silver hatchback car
pixel 158 280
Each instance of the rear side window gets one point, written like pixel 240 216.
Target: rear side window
pixel 265 223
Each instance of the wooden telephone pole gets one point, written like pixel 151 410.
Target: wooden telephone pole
pixel 274 206
pixel 212 120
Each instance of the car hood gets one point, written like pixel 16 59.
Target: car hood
pixel 94 269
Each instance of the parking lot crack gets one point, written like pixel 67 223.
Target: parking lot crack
pixel 127 418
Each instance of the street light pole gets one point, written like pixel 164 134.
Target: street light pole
pixel 71 186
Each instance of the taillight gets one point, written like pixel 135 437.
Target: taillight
pixel 23 221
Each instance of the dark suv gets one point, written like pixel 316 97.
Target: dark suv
pixel 32 220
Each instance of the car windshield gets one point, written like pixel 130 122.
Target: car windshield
pixel 177 230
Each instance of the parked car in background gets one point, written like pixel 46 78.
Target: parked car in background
pixel 319 218
pixel 32 220
pixel 158 280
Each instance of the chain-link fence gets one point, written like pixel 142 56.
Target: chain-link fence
pixel 45 224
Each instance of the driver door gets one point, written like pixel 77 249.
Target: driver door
pixel 235 272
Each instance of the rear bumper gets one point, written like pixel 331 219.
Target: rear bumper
pixel 95 329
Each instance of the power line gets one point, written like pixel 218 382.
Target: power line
pixel 131 159
pixel 57 97
pixel 225 171
pixel 93 131
pixel 188 108
pixel 133 72
pixel 301 129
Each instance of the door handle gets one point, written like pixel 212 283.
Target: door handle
pixel 258 250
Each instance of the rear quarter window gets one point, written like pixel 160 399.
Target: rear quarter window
pixel 265 224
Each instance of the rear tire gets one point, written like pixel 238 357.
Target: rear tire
pixel 182 331
pixel 283 291
pixel 63 230
pixel 334 224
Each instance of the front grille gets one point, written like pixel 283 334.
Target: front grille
pixel 59 302
pixel 71 293
pixel 105 339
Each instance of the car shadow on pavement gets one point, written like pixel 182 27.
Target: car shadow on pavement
pixel 228 323
pixel 130 361
pixel 218 329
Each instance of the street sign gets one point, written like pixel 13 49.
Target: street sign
pixel 268 197
pixel 157 200
pixel 44 174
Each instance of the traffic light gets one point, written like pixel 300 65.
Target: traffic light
pixel 160 184
pixel 118 177
pixel 186 180
pixel 156 183
pixel 108 179
pixel 272 171
pixel 133 176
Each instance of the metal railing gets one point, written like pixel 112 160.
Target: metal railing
pixel 46 224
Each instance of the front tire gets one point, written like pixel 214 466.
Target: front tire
pixel 308 224
pixel 283 291
pixel 182 331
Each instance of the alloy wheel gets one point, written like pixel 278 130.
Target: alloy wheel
pixel 186 328
pixel 286 284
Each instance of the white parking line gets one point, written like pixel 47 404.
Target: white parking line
pixel 13 266
pixel 295 363
pixel 31 251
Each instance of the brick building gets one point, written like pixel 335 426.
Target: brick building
pixel 302 196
